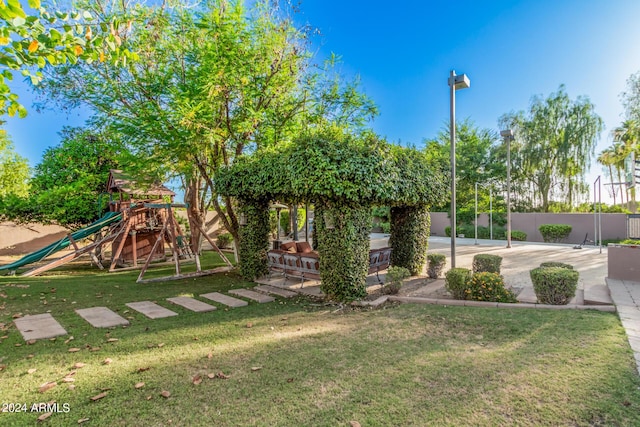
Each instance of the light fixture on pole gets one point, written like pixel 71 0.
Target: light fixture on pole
pixel 455 82
pixel 508 137
pixel 475 221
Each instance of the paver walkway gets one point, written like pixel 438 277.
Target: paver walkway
pixel 42 326
pixel 101 317
pixel 39 326
pixel 626 296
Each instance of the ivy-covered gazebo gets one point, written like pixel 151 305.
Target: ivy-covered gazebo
pixel 343 175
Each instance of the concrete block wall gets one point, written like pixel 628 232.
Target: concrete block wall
pixel 614 225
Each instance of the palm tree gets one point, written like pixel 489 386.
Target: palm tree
pixel 606 159
pixel 627 136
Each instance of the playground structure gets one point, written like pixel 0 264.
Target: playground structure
pixel 139 225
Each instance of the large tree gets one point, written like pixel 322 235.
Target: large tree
pixel 213 82
pixel 67 184
pixel 556 139
pixel 478 155
pixel 14 169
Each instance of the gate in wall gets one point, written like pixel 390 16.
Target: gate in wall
pixel 633 226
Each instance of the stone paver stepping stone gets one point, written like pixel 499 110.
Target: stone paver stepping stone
pixel 313 291
pixel 246 293
pixel 225 299
pixel 151 310
pixel 192 304
pixel 275 291
pixel 39 326
pixel 101 317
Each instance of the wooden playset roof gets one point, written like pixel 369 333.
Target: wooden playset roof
pixel 121 182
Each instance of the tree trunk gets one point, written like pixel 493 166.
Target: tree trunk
pixel 613 189
pixel 195 212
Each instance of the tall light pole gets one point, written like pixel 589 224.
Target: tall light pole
pixel 508 137
pixel 455 82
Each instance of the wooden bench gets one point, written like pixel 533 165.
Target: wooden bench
pixel 307 265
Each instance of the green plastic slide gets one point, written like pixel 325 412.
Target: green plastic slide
pixel 108 218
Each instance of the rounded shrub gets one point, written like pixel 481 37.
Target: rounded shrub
pixel 224 240
pixel 487 286
pixel 554 233
pixel 486 263
pixel 556 264
pixel 456 282
pixel 519 236
pixel 436 264
pixel 554 285
pixel 393 279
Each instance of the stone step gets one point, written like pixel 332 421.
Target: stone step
pixel 192 304
pixel 267 289
pixel 255 296
pixel 597 295
pixel 225 299
pixel 101 317
pixel 151 309
pixel 39 326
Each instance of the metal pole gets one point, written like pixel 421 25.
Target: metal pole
pixel 491 213
pixel 476 218
pixel 452 134
pixel 600 213
pixel 294 222
pixel 306 222
pixel 508 191
pixel 595 213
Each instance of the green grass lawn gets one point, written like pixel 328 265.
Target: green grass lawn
pixel 298 362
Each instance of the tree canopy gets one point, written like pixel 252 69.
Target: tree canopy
pixel 333 165
pixel 554 145
pixel 67 184
pixel 31 41
pixel 14 169
pixel 479 158
pixel 214 82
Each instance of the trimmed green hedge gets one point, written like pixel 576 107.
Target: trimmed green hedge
pixel 254 239
pixel 343 245
pixel 409 237
pixel 343 174
pixel 330 164
pixel 456 282
pixel 554 285
pixel 556 264
pixel 486 263
pixel 519 236
pixel 554 233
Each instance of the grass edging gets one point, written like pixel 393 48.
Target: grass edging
pixel 465 303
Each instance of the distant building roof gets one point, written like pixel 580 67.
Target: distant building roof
pixel 121 182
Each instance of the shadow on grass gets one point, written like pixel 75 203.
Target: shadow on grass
pixel 404 365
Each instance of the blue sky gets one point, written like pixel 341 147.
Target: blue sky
pixel 403 52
